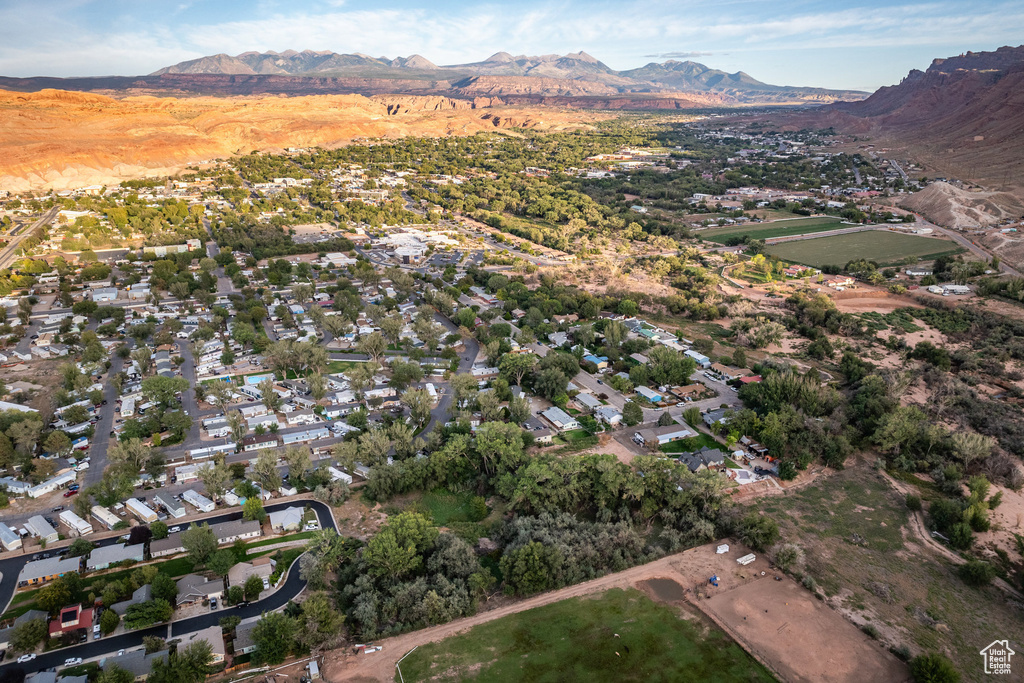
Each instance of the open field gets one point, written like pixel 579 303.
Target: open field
pixel 621 635
pixel 681 581
pixel 785 228
pixel 881 246
pixel 861 551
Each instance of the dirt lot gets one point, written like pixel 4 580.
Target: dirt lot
pixel 689 569
pixel 780 623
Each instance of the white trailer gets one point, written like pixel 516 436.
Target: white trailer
pixel 198 500
pixel 75 524
pixel 747 559
pixel 141 510
pixel 104 516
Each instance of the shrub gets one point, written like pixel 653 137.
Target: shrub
pixel 933 668
pixel 976 573
pixel 913 502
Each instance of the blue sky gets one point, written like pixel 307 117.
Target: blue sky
pixel 859 44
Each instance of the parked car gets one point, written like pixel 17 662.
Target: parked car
pixel 26 658
pixel 72 661
pixel 174 530
pixel 213 604
pixel 120 653
pixel 70 492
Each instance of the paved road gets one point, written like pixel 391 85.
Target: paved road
pixel 106 646
pixel 101 436
pixel 7 255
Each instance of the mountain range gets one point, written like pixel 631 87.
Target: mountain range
pixel 576 79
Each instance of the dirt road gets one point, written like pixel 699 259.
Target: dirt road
pixel 688 568
pixel 729 605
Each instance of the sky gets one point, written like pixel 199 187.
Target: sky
pixel 853 44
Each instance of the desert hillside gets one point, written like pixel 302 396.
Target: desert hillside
pixel 59 139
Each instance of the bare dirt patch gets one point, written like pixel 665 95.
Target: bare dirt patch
pixel 782 623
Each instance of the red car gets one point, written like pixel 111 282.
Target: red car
pixel 68 494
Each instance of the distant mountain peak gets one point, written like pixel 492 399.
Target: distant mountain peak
pixel 499 57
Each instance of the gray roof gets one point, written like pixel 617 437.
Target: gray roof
pixel 236 528
pixel 49 567
pixel 141 594
pixel 137 662
pixel 118 552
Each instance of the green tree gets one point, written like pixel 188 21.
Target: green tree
pixel 320 625
pixel 27 635
pixel 933 668
pixel 253 510
pixel 274 637
pixel 163 390
pixel 632 413
pixel 158 529
pixel 109 621
pixel 145 614
pixel 79 547
pixel 531 568
pixel 53 596
pixel 164 588
pixel 397 548
pixel 112 673
pixel 221 562
pixel 199 542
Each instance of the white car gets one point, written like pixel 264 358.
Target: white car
pixel 174 530
pixel 26 658
pixel 266 584
pixel 72 661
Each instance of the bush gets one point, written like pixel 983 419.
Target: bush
pixel 870 630
pixel 109 621
pixel 976 573
pixel 933 668
pixel 913 502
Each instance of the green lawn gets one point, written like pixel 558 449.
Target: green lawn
pixel 446 507
pixel 883 247
pixel 281 539
pixel 574 640
pixel 691 444
pixel 575 435
pixel 760 231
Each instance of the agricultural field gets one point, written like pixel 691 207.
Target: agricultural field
pixel 865 559
pixel 620 635
pixel 785 228
pixel 883 247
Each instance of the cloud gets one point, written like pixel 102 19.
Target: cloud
pixel 682 55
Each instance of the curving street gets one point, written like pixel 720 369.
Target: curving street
pixel 292 587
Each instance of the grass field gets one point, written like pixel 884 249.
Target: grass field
pixel 794 226
pixel 883 247
pixel 852 527
pixel 574 640
pixel 691 444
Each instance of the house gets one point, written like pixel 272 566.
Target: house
pixel 750 379
pixel 289 519
pixel 104 294
pixel 163 547
pixel 198 500
pixel 338 475
pixel 640 358
pixel 142 594
pixel 306 436
pixel 104 516
pixel 839 281
pixel 257 442
pixel 244 644
pixel 71 619
pixel 558 339
pixel 193 588
pixel 109 555
pixel 301 417
pixel 213 636
pixel 141 510
pixel 725 373
pixel 541 432
pixel 600 361
pixel 174 507
pixel 705 458
pixel 689 392
pixel 9 538
pixel 262 567
pixel 716 416
pixel 609 415
pixel 41 571
pixel 650 394
pixel 560 419
pixel 702 360
pixel 663 435
pixel 588 402
pixel 135 662
pixel 41 529
pixel 75 524
pixel 229 532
